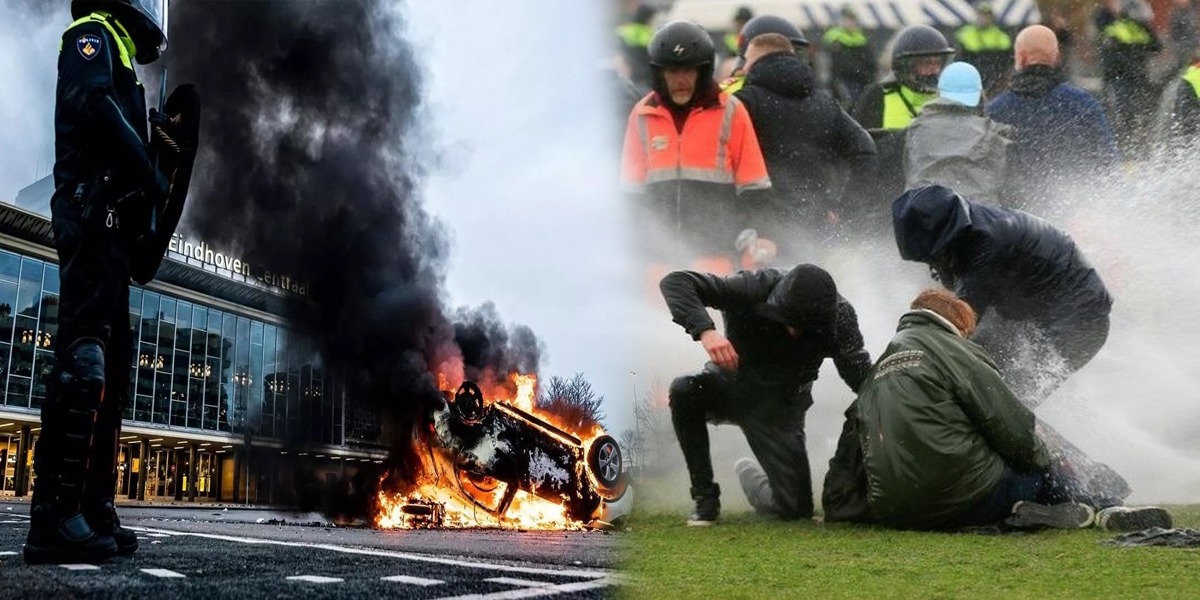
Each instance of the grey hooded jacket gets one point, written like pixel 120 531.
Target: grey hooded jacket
pixel 951 144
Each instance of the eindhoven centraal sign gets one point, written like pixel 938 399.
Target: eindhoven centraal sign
pixel 192 251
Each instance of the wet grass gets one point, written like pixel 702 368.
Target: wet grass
pixel 746 556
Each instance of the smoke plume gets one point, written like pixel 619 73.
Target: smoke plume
pixel 310 165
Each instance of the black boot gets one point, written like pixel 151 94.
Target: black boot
pixel 708 505
pixel 58 532
pixel 61 541
pixel 103 520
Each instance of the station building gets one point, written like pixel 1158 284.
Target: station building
pixel 225 403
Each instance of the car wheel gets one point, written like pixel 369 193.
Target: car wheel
pixel 604 467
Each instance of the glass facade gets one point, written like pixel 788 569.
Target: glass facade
pixel 195 367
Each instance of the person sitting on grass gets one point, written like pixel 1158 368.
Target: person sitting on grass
pixel 944 442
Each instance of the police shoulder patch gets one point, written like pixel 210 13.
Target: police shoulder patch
pixel 88 45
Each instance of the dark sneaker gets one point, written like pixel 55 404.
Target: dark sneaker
pixel 70 541
pixel 708 506
pixel 105 523
pixel 1069 515
pixel 756 486
pixel 1127 518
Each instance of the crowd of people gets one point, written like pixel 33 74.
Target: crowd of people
pixel 953 153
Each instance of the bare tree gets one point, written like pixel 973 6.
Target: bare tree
pixel 572 400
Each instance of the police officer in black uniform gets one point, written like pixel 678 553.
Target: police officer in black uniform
pixel 111 182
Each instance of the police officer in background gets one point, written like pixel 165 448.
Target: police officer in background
pixel 885 109
pixel 112 184
pixel 762 25
pixel 918 57
pixel 852 60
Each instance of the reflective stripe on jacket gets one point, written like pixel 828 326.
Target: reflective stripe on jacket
pixel 717 145
pixel 901 105
pixel 974 38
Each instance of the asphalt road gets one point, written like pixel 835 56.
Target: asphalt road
pixel 204 553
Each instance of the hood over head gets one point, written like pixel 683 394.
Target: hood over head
pixel 783 73
pixel 927 220
pixel 806 298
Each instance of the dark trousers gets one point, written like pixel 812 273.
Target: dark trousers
pixel 1013 487
pixel 93 306
pixel 771 415
pixel 1035 360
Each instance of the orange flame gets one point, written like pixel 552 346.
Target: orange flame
pixel 443 489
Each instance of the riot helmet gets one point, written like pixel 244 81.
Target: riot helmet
pixel 145 20
pixel 770 24
pixel 682 44
pixel 914 46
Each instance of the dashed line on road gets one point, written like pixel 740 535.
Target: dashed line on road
pixel 158 535
pixel 80 567
pixel 8 553
pixel 165 573
pixel 549 590
pixel 315 579
pixel 13 522
pixel 520 582
pixel 412 580
pixel 582 573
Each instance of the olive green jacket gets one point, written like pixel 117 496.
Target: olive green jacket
pixel 937 426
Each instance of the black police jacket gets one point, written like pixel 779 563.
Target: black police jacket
pixel 765 350
pixel 100 116
pixel 993 257
pixel 814 151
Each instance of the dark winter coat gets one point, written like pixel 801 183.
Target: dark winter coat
pixel 937 427
pixel 753 304
pixel 809 143
pixel 992 257
pixel 1062 135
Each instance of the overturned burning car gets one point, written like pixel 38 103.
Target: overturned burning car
pixel 493 463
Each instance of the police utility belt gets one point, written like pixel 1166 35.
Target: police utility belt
pixel 100 194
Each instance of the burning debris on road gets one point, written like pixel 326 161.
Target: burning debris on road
pixel 504 463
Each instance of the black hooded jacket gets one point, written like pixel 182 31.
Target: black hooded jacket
pixel 993 257
pixel 753 304
pixel 811 146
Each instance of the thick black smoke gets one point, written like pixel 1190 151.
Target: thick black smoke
pixel 310 167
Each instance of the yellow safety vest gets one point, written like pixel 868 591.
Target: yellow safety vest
pixel 635 35
pixel 845 37
pixel 896 112
pixel 974 38
pixel 125 45
pixel 731 43
pixel 1128 32
pixel 1192 76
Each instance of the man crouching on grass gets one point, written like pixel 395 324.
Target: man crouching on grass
pixel 781 325
pixel 944 442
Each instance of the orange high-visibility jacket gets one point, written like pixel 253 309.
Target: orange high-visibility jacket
pixel 717 145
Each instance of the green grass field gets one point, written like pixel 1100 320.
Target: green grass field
pixel 746 556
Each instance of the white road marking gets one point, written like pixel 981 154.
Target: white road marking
pixel 80 567
pixel 412 580
pixel 520 582
pixel 11 522
pixel 549 590
pixel 583 573
pixel 157 535
pixel 315 579
pixel 163 573
pixel 8 553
